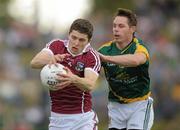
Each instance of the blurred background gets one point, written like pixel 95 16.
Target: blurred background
pixel 27 25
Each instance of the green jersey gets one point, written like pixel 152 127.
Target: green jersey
pixel 126 84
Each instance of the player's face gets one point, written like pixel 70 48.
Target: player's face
pixel 122 32
pixel 77 42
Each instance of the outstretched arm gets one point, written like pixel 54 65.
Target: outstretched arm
pixel 127 60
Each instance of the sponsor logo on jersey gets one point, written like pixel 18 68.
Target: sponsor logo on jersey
pixel 111 64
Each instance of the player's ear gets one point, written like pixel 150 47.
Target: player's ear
pixel 133 29
pixel 89 40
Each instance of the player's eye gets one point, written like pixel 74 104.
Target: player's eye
pixel 114 25
pixel 82 39
pixel 73 37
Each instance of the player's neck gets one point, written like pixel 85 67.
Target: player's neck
pixel 122 45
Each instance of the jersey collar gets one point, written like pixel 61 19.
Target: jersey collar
pixel 86 48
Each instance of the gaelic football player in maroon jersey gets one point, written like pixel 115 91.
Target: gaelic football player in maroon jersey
pixel 71 106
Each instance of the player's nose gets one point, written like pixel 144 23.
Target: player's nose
pixel 76 42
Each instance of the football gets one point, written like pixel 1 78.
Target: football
pixel 48 75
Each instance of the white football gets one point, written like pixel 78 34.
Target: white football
pixel 48 75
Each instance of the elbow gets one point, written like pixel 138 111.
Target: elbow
pixel 88 87
pixel 34 64
pixel 139 60
pixel 136 63
pixel 91 87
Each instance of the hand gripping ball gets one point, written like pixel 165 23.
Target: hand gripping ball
pixel 48 75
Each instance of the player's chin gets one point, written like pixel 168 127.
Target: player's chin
pixel 117 40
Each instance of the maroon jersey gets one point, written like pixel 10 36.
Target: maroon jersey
pixel 71 99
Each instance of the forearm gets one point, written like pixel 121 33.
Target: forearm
pixel 84 83
pixel 128 60
pixel 39 63
pixel 40 60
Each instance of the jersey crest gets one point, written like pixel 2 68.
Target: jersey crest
pixel 79 66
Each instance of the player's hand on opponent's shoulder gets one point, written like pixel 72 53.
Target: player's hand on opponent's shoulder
pixel 102 57
pixel 58 58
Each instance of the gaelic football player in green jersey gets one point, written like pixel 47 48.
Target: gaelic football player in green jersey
pixel 125 60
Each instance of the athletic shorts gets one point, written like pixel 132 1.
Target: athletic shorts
pixel 136 115
pixel 82 121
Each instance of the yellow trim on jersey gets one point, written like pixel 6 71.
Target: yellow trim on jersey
pixel 106 44
pixel 130 100
pixel 141 48
pixel 135 40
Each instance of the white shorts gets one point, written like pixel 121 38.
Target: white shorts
pixel 136 115
pixel 83 121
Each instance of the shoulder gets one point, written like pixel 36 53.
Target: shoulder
pixel 105 46
pixel 56 46
pixel 93 60
pixel 56 43
pixel 92 53
pixel 139 43
pixel 141 47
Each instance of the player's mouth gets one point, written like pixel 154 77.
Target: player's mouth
pixel 116 36
pixel 74 49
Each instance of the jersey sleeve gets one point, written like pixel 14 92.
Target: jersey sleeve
pixel 141 49
pixel 93 62
pixel 100 50
pixel 53 46
pixel 103 49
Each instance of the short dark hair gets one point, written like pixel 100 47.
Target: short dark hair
pixel 132 20
pixel 82 26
